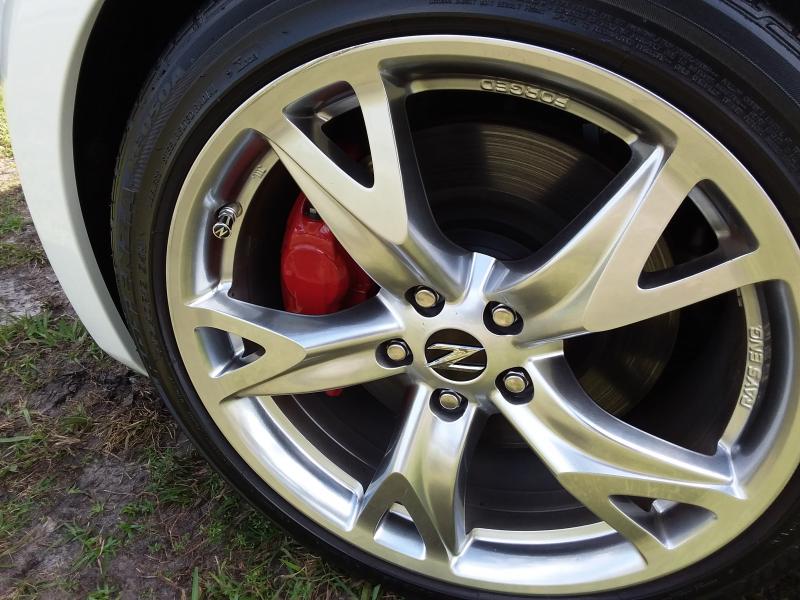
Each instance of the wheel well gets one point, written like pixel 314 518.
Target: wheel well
pixel 126 41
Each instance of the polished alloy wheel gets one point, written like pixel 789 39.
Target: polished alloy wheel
pixel 491 339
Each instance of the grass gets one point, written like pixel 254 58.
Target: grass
pixel 95 548
pixel 22 450
pixel 12 255
pixel 17 512
pixel 13 217
pixel 15 515
pixel 11 220
pixel 172 480
pixel 5 138
pixel 103 593
pixel 139 508
pixel 31 442
pixel 27 342
pixel 43 331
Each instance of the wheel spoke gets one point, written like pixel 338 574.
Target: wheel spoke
pixel 303 353
pixel 597 457
pixel 610 308
pixel 424 471
pixel 589 279
pixel 388 227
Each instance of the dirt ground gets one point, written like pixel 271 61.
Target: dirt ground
pixel 100 496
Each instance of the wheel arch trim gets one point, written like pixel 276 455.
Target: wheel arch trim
pixel 40 82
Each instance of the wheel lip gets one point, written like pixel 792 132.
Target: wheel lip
pixel 323 518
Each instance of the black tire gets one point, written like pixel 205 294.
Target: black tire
pixel 732 65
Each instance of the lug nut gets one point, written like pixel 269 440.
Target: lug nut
pixel 448 405
pixel 515 382
pixel 515 386
pixel 503 316
pixel 501 319
pixel 425 297
pixel 397 351
pixel 449 400
pixel 425 301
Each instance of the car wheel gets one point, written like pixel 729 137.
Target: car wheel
pixel 482 298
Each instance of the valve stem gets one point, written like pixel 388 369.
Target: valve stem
pixel 226 217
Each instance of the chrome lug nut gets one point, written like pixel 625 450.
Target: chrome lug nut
pixel 448 404
pixel 425 301
pixel 226 217
pixel 515 382
pixel 449 400
pixel 503 316
pixel 397 351
pixel 425 297
pixel 515 385
pixel 501 319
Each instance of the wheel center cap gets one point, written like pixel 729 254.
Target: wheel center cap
pixel 455 355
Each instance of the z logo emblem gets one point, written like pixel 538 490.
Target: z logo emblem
pixel 456 354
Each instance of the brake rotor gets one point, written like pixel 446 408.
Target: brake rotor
pixel 506 191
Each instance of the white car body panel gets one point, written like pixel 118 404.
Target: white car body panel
pixel 43 42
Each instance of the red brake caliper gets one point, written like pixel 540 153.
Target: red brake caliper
pixel 318 276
